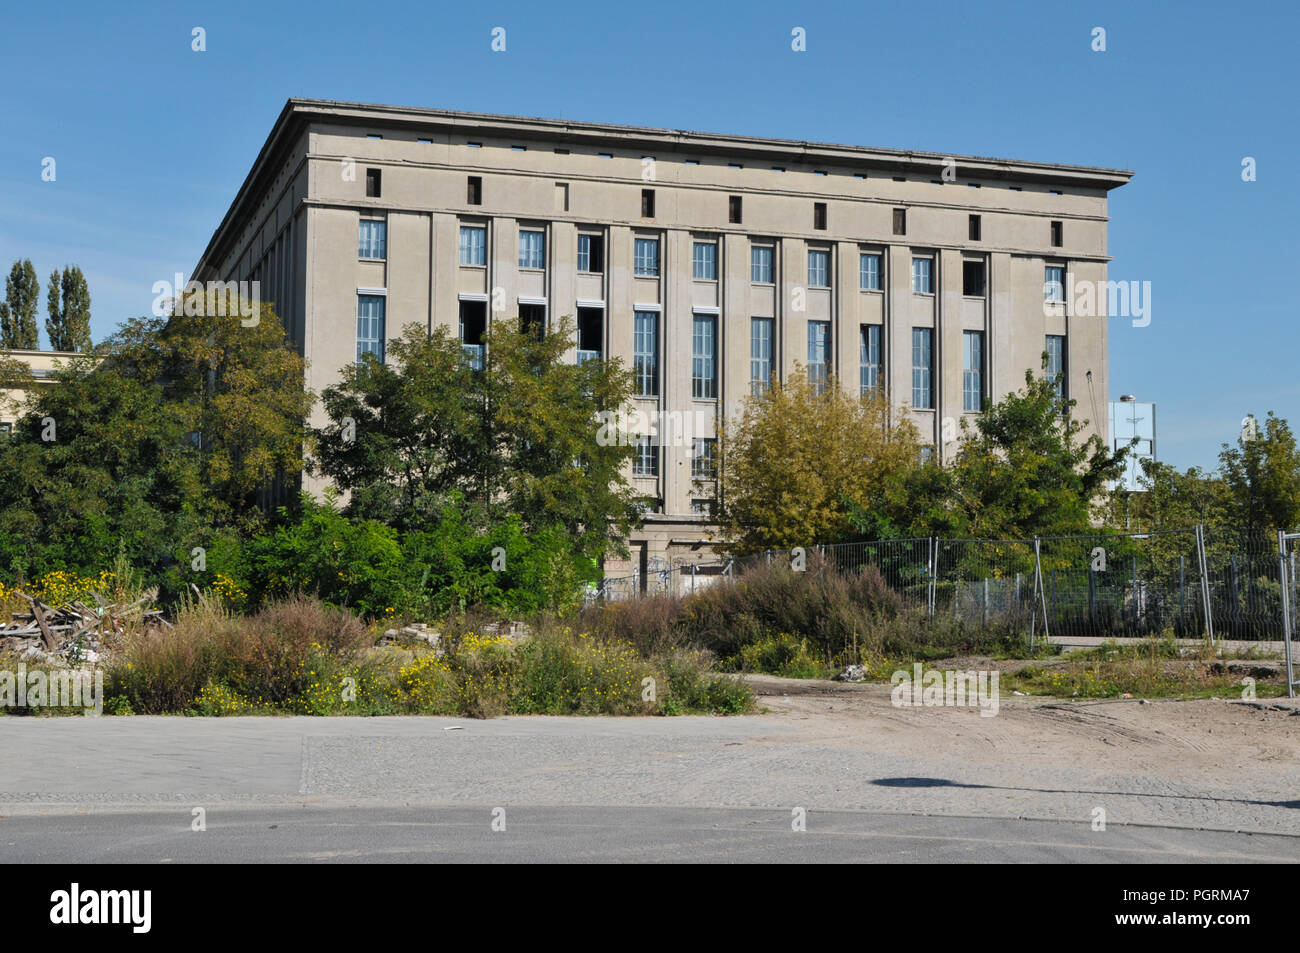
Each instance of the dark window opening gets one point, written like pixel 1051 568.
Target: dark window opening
pixel 819 216
pixel 647 203
pixel 972 278
pixel 591 253
pixel 374 179
pixel 900 221
pixel 474 190
pixel 532 320
pixel 473 326
pixel 974 228
pixel 733 210
pixel 591 330
pixel 1058 234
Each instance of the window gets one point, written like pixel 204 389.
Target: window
pixel 819 216
pixel 973 228
pixel 518 148
pixel 591 331
pixel 819 341
pixel 370 326
pixel 647 203
pixel 532 249
pixel 473 325
pixel 701 507
pixel 1058 234
pixel 1056 366
pixel 532 320
pixel 733 210
pixel 1054 283
pixel 645 456
pixel 900 221
pixel 372 238
pixel 869 272
pixel 704 458
pixel 647 257
pixel 374 182
pixel 760 264
pixel 474 190
pixel 922 368
pixel 645 353
pixel 972 278
pixel 704 261
pixel 819 264
pixel 760 355
pixel 591 253
pixel 473 245
pixel 704 354
pixel 972 370
pixel 923 276
pixel 869 355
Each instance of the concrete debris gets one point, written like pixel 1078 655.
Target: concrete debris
pixel 412 634
pixel 74 632
pixel 854 673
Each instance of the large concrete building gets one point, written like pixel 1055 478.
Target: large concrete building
pixel 709 263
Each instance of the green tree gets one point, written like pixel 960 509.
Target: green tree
pixel 18 315
pixel 800 460
pixel 1262 476
pixel 68 324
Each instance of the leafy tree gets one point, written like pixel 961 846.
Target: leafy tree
pixel 68 324
pixel 799 460
pixel 1025 472
pixel 517 438
pixel 1262 477
pixel 1169 499
pixel 18 313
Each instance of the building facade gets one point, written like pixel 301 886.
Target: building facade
pixel 38 369
pixel 709 264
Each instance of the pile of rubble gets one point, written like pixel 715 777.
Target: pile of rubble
pixel 74 631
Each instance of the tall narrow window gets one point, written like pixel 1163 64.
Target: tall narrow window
pixel 733 209
pixel 922 368
pixel 869 354
pixel 973 228
pixel 760 355
pixel 972 370
pixel 1058 234
pixel 645 353
pixel 900 221
pixel 647 257
pixel 372 238
pixel 591 253
pixel 1056 366
pixel 704 458
pixel 532 320
pixel 473 326
pixel 819 268
pixel 869 271
pixel 1054 283
pixel 374 182
pixel 647 203
pixel 591 334
pixel 532 249
pixel 704 357
pixel 473 245
pixel 819 216
pixel 704 261
pixel 370 326
pixel 645 456
pixel 760 264
pixel 474 190
pixel 819 354
pixel 923 276
pixel 972 278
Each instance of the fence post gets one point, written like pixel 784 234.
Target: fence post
pixel 694 569
pixel 1039 591
pixel 1286 609
pixel 1136 626
pixel 933 562
pixel 1203 569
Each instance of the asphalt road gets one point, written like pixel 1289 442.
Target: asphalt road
pixel 339 834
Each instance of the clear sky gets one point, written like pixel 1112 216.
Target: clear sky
pixel 151 139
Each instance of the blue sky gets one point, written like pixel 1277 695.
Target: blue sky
pixel 152 139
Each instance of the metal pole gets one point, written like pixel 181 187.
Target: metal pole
pixel 1205 581
pixel 1039 592
pixel 933 562
pixel 1286 610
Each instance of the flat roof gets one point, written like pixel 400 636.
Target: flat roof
pixel 299 112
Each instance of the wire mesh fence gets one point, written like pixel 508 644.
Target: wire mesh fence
pixel 1185 583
